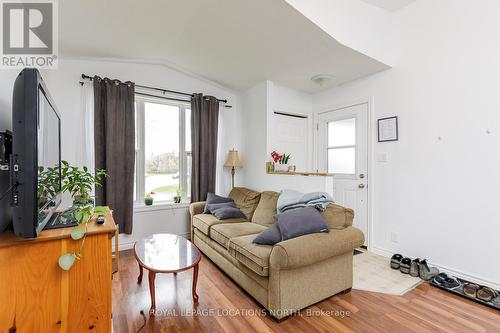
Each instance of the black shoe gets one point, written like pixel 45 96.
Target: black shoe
pixel 451 283
pixel 396 261
pixel 404 266
pixel 439 279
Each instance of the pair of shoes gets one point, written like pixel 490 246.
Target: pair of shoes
pixel 401 263
pixel 449 282
pixel 425 272
pixel 483 293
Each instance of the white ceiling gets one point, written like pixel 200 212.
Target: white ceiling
pixel 392 5
pixel 236 43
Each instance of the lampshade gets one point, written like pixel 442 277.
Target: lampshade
pixel 233 160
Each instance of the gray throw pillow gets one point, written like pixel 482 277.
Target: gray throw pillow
pixel 223 213
pixel 270 236
pixel 301 221
pixel 213 198
pixel 214 206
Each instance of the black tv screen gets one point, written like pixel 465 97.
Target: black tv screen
pixel 37 154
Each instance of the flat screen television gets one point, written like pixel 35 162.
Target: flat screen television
pixel 36 154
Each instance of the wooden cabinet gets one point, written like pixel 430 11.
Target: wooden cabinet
pixel 36 295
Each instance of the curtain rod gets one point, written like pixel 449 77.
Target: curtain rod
pixel 87 77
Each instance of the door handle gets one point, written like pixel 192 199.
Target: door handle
pixel 361 185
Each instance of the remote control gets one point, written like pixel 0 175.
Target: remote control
pixel 100 219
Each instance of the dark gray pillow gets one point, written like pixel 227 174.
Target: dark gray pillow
pixel 213 198
pixel 214 206
pixel 270 236
pixel 223 213
pixel 301 221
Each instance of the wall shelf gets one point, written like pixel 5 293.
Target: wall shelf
pixel 321 174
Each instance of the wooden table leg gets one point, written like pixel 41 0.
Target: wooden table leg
pixel 195 280
pixel 139 279
pixel 152 276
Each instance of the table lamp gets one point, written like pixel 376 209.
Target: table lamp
pixel 233 162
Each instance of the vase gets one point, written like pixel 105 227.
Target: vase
pixel 281 167
pixel 177 199
pixel 148 201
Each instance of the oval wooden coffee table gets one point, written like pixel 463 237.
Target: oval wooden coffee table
pixel 166 253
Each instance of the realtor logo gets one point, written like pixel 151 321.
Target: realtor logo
pixel 28 34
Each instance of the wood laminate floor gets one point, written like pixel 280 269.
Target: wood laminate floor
pixel 224 307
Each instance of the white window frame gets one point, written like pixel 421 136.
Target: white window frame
pixel 140 149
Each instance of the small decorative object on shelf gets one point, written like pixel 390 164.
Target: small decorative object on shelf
pixel 148 200
pixel 280 162
pixel 178 198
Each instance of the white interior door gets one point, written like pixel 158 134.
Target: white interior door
pixel 289 135
pixel 343 151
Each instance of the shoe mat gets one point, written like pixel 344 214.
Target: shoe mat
pixel 495 303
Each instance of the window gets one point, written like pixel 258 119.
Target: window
pixel 342 146
pixel 163 150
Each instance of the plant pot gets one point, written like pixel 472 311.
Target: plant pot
pixel 148 201
pixel 177 199
pixel 281 167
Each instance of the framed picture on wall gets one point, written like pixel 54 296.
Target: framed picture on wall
pixel 388 129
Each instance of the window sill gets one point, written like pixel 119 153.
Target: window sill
pixel 138 208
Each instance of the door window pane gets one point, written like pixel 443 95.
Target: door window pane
pixel 342 133
pixel 161 130
pixel 342 160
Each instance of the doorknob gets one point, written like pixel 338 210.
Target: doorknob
pixel 361 185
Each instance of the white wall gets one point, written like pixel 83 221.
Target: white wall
pixel 259 104
pixel 356 24
pixel 65 89
pixel 438 191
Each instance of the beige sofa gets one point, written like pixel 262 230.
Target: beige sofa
pixel 290 275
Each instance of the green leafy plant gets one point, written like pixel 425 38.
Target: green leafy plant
pixel 148 200
pixel 80 182
pixel 284 159
pixel 83 215
pixel 177 198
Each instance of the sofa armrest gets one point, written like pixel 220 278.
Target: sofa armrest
pixel 196 208
pixel 309 249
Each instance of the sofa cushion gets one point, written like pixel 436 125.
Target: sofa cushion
pixel 266 209
pixel 270 236
pixel 246 200
pixel 213 198
pixel 211 207
pixel 313 248
pixel 338 217
pixel 301 221
pixel 224 213
pixel 222 233
pixel 253 256
pixel 204 222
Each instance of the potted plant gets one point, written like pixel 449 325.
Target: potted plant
pixel 148 200
pixel 280 161
pixel 80 183
pixel 178 198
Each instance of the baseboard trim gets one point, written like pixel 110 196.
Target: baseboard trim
pixel 130 245
pixel 458 273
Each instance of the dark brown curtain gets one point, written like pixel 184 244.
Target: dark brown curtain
pixel 114 138
pixel 204 125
